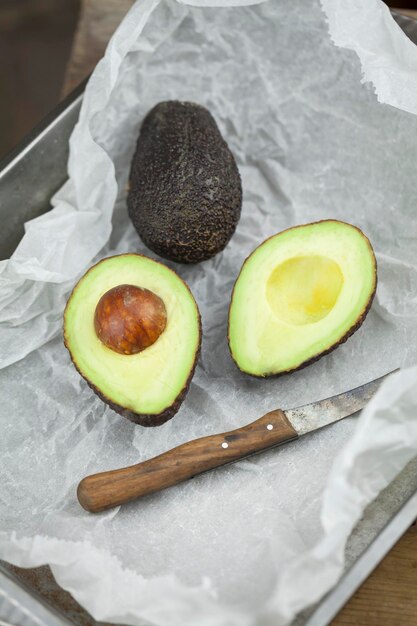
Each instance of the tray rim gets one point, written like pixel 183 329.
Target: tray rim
pixel 330 604
pixel 33 137
pixel 19 596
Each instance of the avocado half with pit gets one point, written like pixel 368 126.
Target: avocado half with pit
pixel 133 330
pixel 299 295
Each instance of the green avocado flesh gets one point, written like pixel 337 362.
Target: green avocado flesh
pixel 147 387
pixel 299 295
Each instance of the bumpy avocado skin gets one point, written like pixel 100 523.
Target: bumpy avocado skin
pixel 185 192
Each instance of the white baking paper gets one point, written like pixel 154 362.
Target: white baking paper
pixel 388 58
pixel 256 542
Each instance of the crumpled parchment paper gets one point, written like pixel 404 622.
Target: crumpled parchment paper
pixel 256 542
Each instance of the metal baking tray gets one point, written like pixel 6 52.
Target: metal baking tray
pixel 28 179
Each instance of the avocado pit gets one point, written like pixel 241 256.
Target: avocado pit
pixel 129 319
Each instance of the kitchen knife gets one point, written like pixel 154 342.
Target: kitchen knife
pixel 108 489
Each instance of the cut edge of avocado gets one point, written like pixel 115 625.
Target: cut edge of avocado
pixel 150 419
pixel 350 331
pixel 143 419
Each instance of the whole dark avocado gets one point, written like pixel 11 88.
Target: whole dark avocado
pixel 185 192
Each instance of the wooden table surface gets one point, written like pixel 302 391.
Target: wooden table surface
pixel 389 596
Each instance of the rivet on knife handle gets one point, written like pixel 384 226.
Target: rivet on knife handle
pixel 108 489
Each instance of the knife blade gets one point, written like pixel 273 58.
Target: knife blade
pixel 102 491
pixel 324 412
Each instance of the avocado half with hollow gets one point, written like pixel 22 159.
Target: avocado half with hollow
pixel 299 295
pixel 133 330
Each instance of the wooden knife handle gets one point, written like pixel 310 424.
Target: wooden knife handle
pixel 108 489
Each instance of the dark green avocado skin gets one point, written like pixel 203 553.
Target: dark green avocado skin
pixel 185 192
